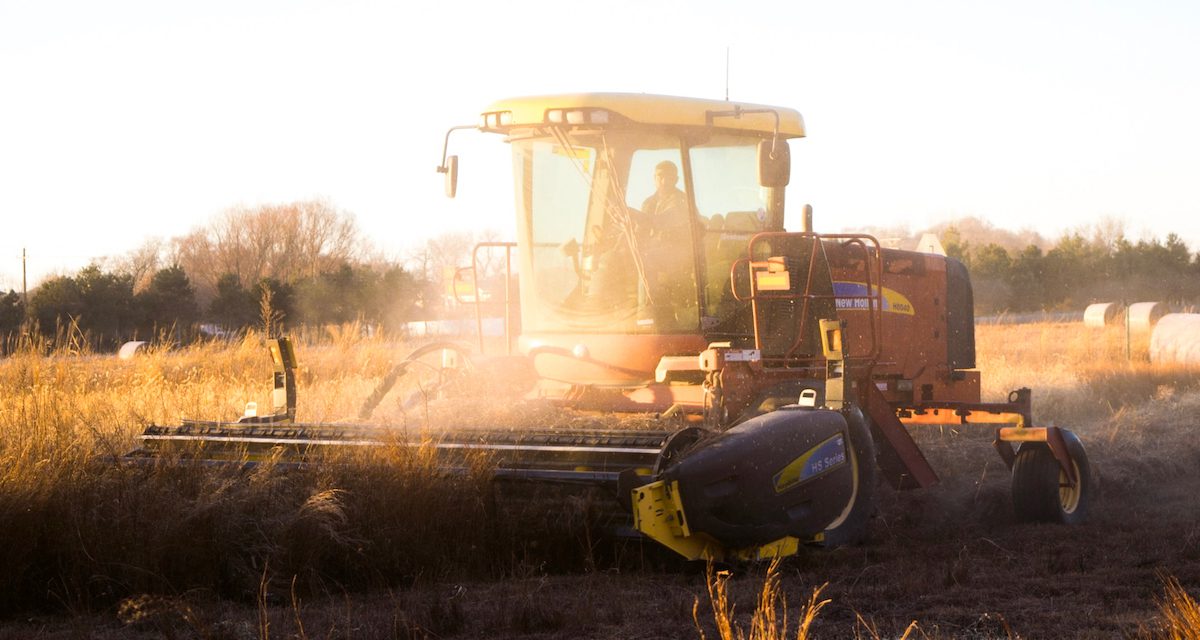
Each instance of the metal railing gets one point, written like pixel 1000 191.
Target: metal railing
pixel 871 273
pixel 510 300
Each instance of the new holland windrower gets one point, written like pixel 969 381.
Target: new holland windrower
pixel 779 372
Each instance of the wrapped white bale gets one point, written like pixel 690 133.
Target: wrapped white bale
pixel 1144 315
pixel 1101 314
pixel 130 349
pixel 1176 338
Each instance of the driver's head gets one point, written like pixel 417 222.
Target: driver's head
pixel 666 174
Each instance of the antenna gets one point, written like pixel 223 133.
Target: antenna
pixel 726 73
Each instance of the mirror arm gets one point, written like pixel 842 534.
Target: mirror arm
pixel 446 145
pixel 737 112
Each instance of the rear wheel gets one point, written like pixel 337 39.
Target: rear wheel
pixel 1041 490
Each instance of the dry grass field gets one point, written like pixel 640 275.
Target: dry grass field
pixel 380 545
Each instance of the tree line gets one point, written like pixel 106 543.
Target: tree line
pixel 103 307
pixel 293 264
pixel 1079 269
pixel 306 263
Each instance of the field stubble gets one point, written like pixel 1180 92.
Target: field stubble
pixel 384 547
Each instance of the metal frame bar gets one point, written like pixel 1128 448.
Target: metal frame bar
pixel 508 297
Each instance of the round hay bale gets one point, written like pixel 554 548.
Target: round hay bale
pixel 1144 315
pixel 1176 339
pixel 130 349
pixel 1101 314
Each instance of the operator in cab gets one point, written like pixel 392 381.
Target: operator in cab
pixel 667 202
pixel 668 246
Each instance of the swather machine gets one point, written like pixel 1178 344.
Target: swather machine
pixel 793 362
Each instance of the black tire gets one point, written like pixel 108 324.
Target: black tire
pixel 851 526
pixel 1040 491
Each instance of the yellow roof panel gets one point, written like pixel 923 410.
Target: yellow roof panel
pixel 655 109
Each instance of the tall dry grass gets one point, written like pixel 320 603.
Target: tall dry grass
pixel 81 531
pixel 1076 373
pixel 1180 612
pixel 769 620
pixel 84 528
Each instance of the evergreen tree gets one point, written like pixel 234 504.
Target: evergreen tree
pixel 233 307
pixel 109 313
pixel 12 313
pixel 54 302
pixel 169 303
pixel 1026 280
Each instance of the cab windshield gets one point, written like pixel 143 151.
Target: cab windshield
pixel 632 231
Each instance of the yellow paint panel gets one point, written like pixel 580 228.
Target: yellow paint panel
pixel 658 514
pixel 781 548
pixel 1017 434
pixel 773 281
pixel 950 417
pixel 582 155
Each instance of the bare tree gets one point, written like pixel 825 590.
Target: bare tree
pixel 438 258
pixel 142 263
pixel 196 254
pixel 282 241
pixel 443 254
pixel 1107 231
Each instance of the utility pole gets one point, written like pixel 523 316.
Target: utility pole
pixel 24 287
pixel 726 74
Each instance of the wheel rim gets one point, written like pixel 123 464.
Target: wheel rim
pixel 1069 496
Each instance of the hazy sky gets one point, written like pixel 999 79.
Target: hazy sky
pixel 124 120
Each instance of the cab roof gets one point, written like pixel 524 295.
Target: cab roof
pixel 577 108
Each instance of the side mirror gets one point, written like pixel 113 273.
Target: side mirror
pixel 774 163
pixel 450 168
